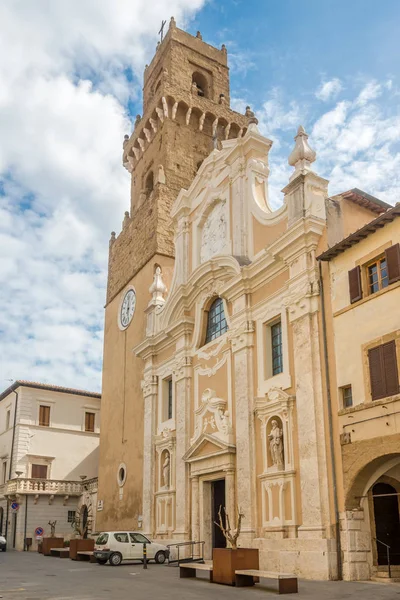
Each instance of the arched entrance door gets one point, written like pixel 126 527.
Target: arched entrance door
pixel 387 522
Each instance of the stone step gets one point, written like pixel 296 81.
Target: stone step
pixel 386 579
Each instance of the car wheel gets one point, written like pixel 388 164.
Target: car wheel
pixel 101 561
pixel 115 559
pixel 160 558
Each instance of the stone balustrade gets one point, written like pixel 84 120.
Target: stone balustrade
pixel 47 486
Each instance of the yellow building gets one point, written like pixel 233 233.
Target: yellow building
pixel 363 275
pixel 214 380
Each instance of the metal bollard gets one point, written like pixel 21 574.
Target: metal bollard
pixel 145 556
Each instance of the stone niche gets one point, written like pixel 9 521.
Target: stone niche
pixel 165 484
pixel 277 479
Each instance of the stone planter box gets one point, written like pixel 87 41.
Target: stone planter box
pixel 78 545
pixel 51 542
pixel 226 561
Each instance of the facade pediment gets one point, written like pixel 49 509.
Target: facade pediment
pixel 207 446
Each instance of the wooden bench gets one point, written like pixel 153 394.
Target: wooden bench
pixel 60 552
pixel 189 570
pixel 287 582
pixel 86 555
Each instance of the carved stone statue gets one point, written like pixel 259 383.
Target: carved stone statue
pixel 276 445
pixel 166 469
pixel 53 527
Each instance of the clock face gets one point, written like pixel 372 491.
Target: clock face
pixel 128 308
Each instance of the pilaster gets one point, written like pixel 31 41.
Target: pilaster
pixel 242 349
pixel 150 391
pixel 182 376
pixel 195 509
pixel 310 423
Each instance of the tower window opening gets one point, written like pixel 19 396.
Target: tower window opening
pixel 201 82
pixel 149 184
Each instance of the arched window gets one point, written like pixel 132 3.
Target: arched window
pixel 202 86
pixel 216 323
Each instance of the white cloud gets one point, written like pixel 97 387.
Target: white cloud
pixel 329 89
pixel 372 90
pixel 67 70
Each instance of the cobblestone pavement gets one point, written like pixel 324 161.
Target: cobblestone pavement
pixel 31 576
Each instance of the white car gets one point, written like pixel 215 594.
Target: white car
pixel 3 543
pixel 116 546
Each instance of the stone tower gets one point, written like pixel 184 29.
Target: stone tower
pixel 185 116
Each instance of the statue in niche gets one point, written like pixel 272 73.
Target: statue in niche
pixel 166 469
pixel 276 444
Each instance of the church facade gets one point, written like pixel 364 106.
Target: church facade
pixel 214 378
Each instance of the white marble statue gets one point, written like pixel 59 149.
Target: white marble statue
pixel 166 468
pixel 276 445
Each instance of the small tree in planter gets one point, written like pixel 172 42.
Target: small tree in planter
pixel 227 560
pixel 81 525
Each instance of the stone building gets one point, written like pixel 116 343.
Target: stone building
pixel 49 442
pixel 214 379
pixel 362 279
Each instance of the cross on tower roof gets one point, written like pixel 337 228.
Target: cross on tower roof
pixel 161 32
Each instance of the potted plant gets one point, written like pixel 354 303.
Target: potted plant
pixel 51 542
pixel 227 560
pixel 81 525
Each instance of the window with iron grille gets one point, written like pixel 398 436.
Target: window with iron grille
pixel 277 350
pixel 71 516
pixel 216 323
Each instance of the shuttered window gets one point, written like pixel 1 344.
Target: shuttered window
pixel 383 370
pixel 355 284
pixel 89 422
pixel 44 416
pixel 39 471
pixel 392 255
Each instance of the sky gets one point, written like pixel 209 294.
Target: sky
pixel 70 87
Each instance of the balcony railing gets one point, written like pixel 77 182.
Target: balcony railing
pixel 47 486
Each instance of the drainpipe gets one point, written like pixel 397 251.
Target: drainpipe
pixel 331 441
pixel 26 522
pixel 12 455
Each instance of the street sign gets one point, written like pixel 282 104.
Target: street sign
pixel 39 531
pixel 14 506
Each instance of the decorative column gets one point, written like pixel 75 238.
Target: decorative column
pixel 195 509
pixel 182 377
pixel 150 389
pixel 243 389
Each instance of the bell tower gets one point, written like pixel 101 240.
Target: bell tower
pixel 186 115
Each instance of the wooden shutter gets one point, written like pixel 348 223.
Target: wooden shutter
pixel 355 284
pixel 89 422
pixel 393 262
pixel 39 471
pixel 390 366
pixel 376 373
pixel 44 416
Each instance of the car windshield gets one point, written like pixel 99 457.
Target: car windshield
pixel 102 539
